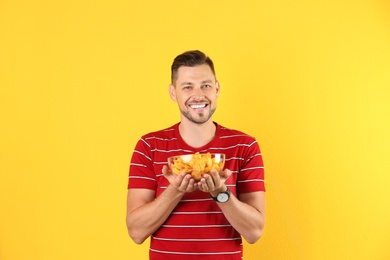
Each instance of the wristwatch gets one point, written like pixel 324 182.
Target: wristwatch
pixel 222 196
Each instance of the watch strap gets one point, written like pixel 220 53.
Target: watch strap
pixel 227 192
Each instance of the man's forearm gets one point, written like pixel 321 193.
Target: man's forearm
pixel 246 219
pixel 145 220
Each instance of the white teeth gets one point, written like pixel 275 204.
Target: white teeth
pixel 198 106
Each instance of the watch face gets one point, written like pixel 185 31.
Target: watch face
pixel 222 197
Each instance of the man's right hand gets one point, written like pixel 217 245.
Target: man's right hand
pixel 182 182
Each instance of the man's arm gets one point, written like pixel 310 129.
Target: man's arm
pixel 246 213
pixel 145 214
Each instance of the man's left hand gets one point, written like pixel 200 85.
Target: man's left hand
pixel 214 182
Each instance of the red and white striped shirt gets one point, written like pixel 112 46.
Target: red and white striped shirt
pixel 197 227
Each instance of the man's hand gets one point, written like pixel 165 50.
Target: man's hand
pixel 182 182
pixel 214 182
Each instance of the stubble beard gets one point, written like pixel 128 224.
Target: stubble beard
pixel 201 119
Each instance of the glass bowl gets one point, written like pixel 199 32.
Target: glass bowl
pixel 197 164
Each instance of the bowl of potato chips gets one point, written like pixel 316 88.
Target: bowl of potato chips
pixel 197 164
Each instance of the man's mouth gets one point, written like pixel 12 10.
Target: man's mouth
pixel 198 106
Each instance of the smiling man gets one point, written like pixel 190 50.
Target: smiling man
pixel 203 219
pixel 196 90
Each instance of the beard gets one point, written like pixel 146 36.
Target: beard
pixel 200 119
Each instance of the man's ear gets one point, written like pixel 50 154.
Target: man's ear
pixel 218 88
pixel 172 92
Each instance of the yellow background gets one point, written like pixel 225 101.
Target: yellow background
pixel 81 81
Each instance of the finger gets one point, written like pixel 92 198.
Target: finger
pixel 215 180
pixel 184 182
pixel 202 185
pixel 165 170
pixel 225 174
pixel 210 181
pixel 191 185
pixel 199 185
pixel 207 183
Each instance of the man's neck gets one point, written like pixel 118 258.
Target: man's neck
pixel 197 135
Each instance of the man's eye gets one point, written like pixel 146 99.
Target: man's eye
pixel 206 86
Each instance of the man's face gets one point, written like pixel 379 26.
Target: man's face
pixel 196 91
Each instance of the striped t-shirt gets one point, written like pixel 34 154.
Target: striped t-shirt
pixel 197 227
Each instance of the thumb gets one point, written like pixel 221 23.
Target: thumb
pixel 166 171
pixel 226 174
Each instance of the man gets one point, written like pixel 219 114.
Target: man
pixel 186 218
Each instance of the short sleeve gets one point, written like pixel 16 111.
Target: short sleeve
pixel 141 173
pixel 251 174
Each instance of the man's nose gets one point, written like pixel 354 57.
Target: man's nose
pixel 198 93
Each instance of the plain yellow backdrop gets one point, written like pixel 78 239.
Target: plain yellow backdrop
pixel 81 81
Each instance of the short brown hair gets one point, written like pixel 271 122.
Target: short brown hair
pixel 190 59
